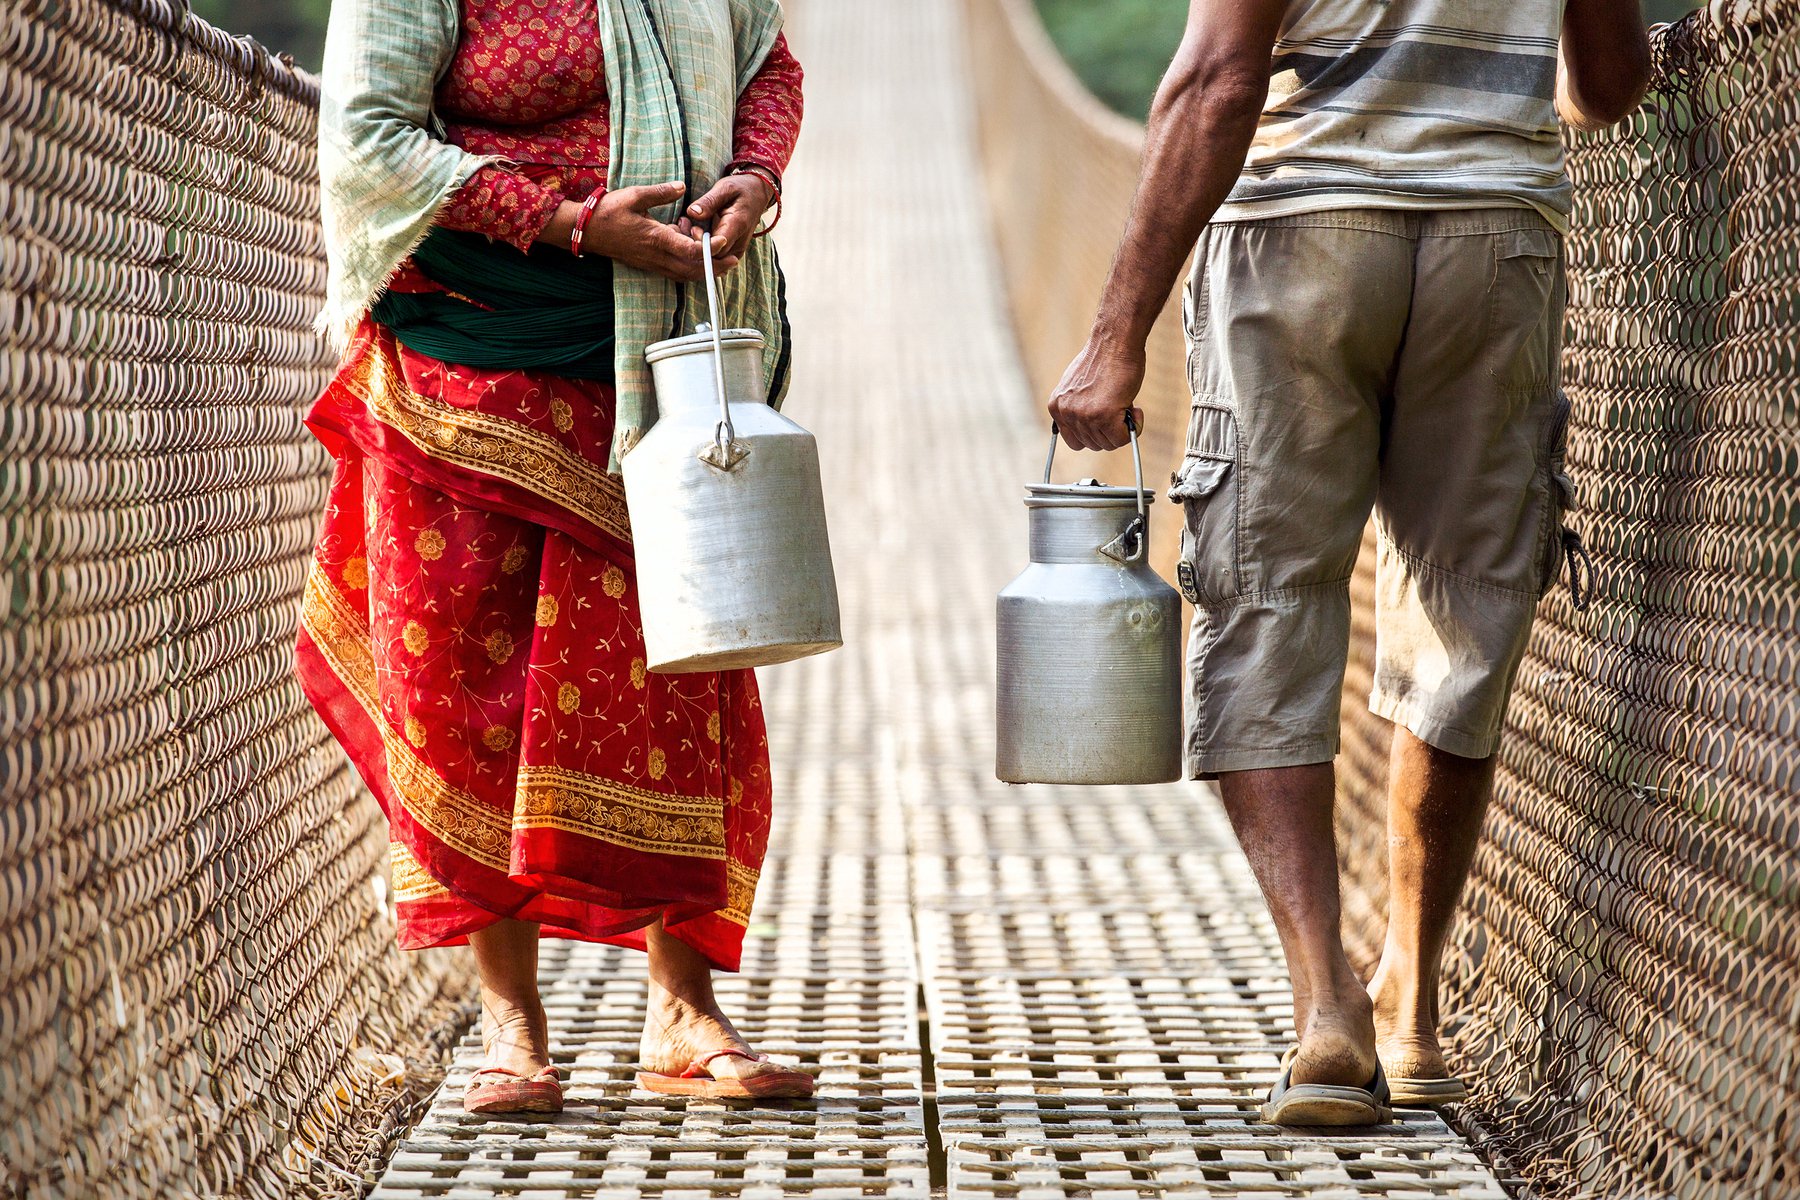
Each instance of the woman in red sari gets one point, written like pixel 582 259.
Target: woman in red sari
pixel 471 630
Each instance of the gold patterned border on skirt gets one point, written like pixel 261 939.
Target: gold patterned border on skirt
pixel 455 817
pixel 488 444
pixel 411 880
pixel 740 893
pixel 654 822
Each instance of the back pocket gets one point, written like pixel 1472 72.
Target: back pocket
pixel 1524 305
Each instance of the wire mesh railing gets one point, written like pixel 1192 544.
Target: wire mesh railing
pixel 200 993
pixel 1624 991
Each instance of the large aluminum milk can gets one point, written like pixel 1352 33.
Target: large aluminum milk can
pixel 727 512
pixel 1089 644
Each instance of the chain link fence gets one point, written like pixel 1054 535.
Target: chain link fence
pixel 200 994
pixel 1624 990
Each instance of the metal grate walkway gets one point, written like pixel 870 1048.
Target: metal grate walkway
pixel 1105 995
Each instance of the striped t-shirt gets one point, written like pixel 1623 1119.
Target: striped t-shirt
pixel 1419 104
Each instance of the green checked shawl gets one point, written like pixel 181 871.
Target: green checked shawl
pixel 674 70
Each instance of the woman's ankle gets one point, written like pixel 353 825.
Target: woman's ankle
pixel 515 1030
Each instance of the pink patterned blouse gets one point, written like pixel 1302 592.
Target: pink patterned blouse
pixel 529 83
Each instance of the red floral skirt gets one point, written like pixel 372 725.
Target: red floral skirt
pixel 471 636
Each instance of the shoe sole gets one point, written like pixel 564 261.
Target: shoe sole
pixel 1320 1104
pixel 780 1085
pixel 1426 1093
pixel 496 1100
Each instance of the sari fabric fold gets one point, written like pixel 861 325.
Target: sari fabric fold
pixel 497 309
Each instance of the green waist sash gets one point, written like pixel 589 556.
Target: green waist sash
pixel 542 311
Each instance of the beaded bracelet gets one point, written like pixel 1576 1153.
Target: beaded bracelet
pixel 581 223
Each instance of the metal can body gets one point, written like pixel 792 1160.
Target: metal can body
pixel 1089 653
pixel 733 561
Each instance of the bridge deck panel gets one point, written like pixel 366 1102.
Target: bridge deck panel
pixel 1103 992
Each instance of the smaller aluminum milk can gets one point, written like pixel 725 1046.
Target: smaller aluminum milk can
pixel 727 512
pixel 1089 643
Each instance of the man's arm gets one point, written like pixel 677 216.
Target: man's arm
pixel 1603 66
pixel 1200 129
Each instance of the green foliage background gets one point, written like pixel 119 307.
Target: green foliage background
pixel 295 27
pixel 1120 48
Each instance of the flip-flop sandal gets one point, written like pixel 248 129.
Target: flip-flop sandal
pixel 494 1090
pixel 1326 1103
pixel 698 1081
pixel 1410 1092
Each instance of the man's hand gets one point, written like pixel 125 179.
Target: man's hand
pixel 1199 131
pixel 734 206
pixel 1096 391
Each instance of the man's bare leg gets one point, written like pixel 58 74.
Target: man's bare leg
pixel 1283 821
pixel 1435 807
pixel 514 1029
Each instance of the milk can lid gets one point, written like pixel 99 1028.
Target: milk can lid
pixel 702 341
pixel 1087 493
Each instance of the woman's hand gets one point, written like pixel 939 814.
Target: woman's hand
pixel 622 229
pixel 734 206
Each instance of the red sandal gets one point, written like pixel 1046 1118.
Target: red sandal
pixel 700 1082
pixel 511 1092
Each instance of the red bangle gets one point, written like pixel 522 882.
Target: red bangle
pixel 581 222
pixel 770 227
pixel 769 177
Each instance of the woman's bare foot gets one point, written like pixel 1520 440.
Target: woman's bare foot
pixel 1405 1027
pixel 515 1038
pixel 683 1022
pixel 514 1029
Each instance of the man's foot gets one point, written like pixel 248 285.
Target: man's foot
pixel 1407 1040
pixel 1405 1029
pixel 1337 1041
pixel 1332 1077
pixel 684 1024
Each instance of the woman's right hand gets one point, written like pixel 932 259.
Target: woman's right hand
pixel 622 229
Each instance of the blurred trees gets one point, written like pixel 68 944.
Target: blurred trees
pixel 296 27
pixel 1118 47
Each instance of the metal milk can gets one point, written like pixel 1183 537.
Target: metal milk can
pixel 727 512
pixel 1089 643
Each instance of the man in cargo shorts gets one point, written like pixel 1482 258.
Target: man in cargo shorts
pixel 1373 321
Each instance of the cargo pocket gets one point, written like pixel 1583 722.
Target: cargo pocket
pixel 1563 547
pixel 1207 493
pixel 1524 308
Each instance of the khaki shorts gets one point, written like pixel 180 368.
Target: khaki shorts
pixel 1358 360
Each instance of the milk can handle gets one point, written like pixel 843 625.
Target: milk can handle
pixel 1135 533
pixel 1137 459
pixel 724 435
